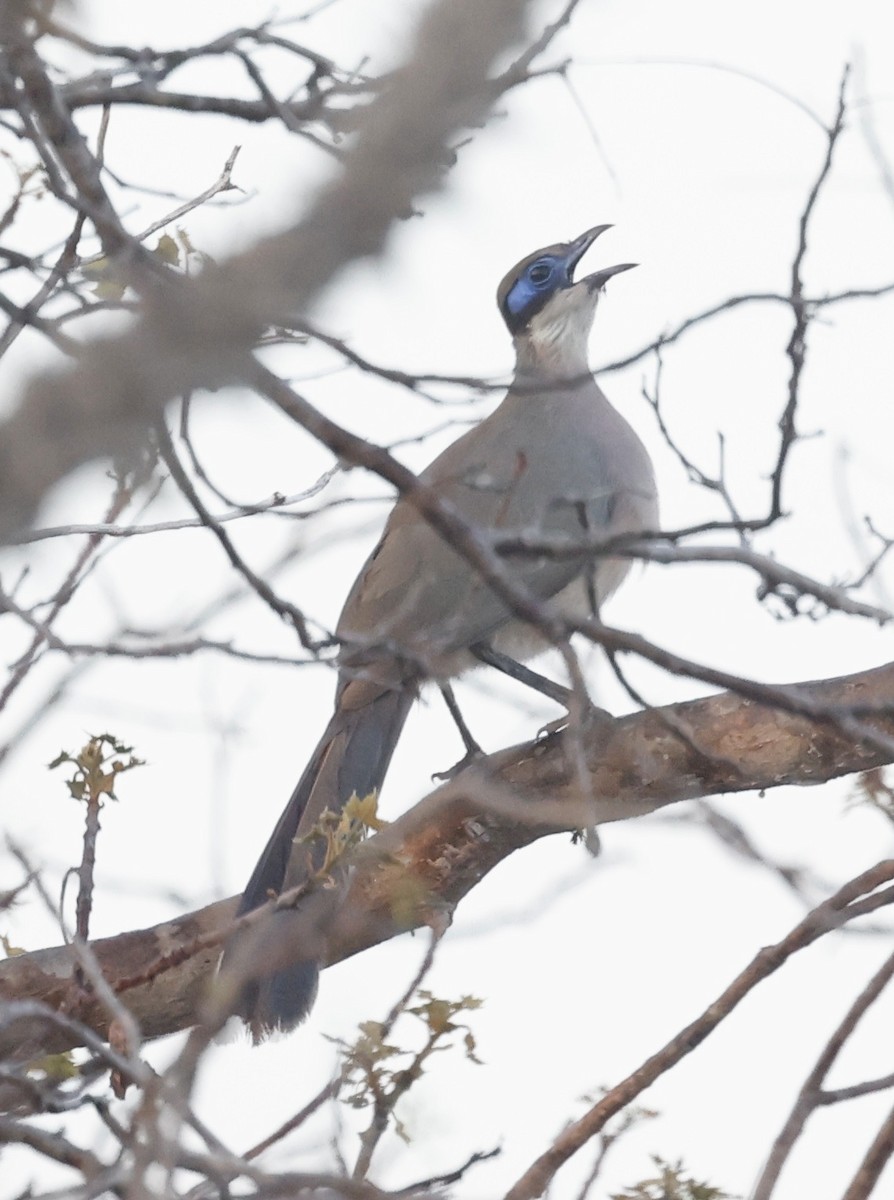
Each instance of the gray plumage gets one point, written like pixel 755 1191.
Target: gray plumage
pixel 553 458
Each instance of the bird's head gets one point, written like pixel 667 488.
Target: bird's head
pixel 547 311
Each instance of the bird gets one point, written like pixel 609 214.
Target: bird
pixel 554 458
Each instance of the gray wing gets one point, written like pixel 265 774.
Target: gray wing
pixel 558 465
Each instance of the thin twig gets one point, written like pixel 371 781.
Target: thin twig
pixel 812 1095
pixel 281 607
pixel 797 345
pixel 855 898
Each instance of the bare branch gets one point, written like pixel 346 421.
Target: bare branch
pixel 450 840
pixel 43 632
pixel 855 898
pixel 797 345
pixel 263 589
pixel 197 333
pixel 54 122
pixel 863 1184
pixel 812 1095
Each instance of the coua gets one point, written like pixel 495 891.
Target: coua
pixel 554 458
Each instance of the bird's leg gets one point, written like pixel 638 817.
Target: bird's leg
pixel 592 712
pixel 473 750
pixel 590 573
pixel 588 715
pixel 522 674
pixel 469 742
pixel 546 687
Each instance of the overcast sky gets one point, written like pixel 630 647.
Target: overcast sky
pixel 693 128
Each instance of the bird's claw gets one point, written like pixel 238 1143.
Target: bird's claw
pixel 471 756
pixel 590 838
pixel 591 716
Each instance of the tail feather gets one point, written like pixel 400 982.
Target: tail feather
pixel 352 756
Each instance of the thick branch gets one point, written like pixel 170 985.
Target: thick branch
pixel 198 333
pixel 439 850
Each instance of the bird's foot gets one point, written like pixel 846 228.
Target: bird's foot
pixel 590 838
pixel 589 717
pixel 472 755
pixel 473 750
pixel 589 720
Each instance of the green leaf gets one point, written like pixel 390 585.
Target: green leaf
pixel 109 289
pixel 167 251
pixel 56 1066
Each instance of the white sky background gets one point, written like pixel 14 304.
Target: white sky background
pixel 585 967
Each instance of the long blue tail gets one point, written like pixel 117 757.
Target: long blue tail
pixel 352 757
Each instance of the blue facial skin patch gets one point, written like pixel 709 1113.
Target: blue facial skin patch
pixel 538 281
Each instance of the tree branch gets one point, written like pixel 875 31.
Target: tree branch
pixel 857 897
pixel 433 855
pixel 197 333
pixel 812 1094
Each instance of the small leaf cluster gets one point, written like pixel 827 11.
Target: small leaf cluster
pixel 176 252
pixel 671 1183
pixel 97 766
pixel 342 831
pixel 378 1072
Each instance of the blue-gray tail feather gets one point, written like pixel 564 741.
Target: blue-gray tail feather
pixel 352 757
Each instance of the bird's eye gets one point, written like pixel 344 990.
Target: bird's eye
pixel 540 273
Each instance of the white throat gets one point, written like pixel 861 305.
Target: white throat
pixel 556 338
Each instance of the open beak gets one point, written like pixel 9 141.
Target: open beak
pixel 597 281
pixel 579 247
